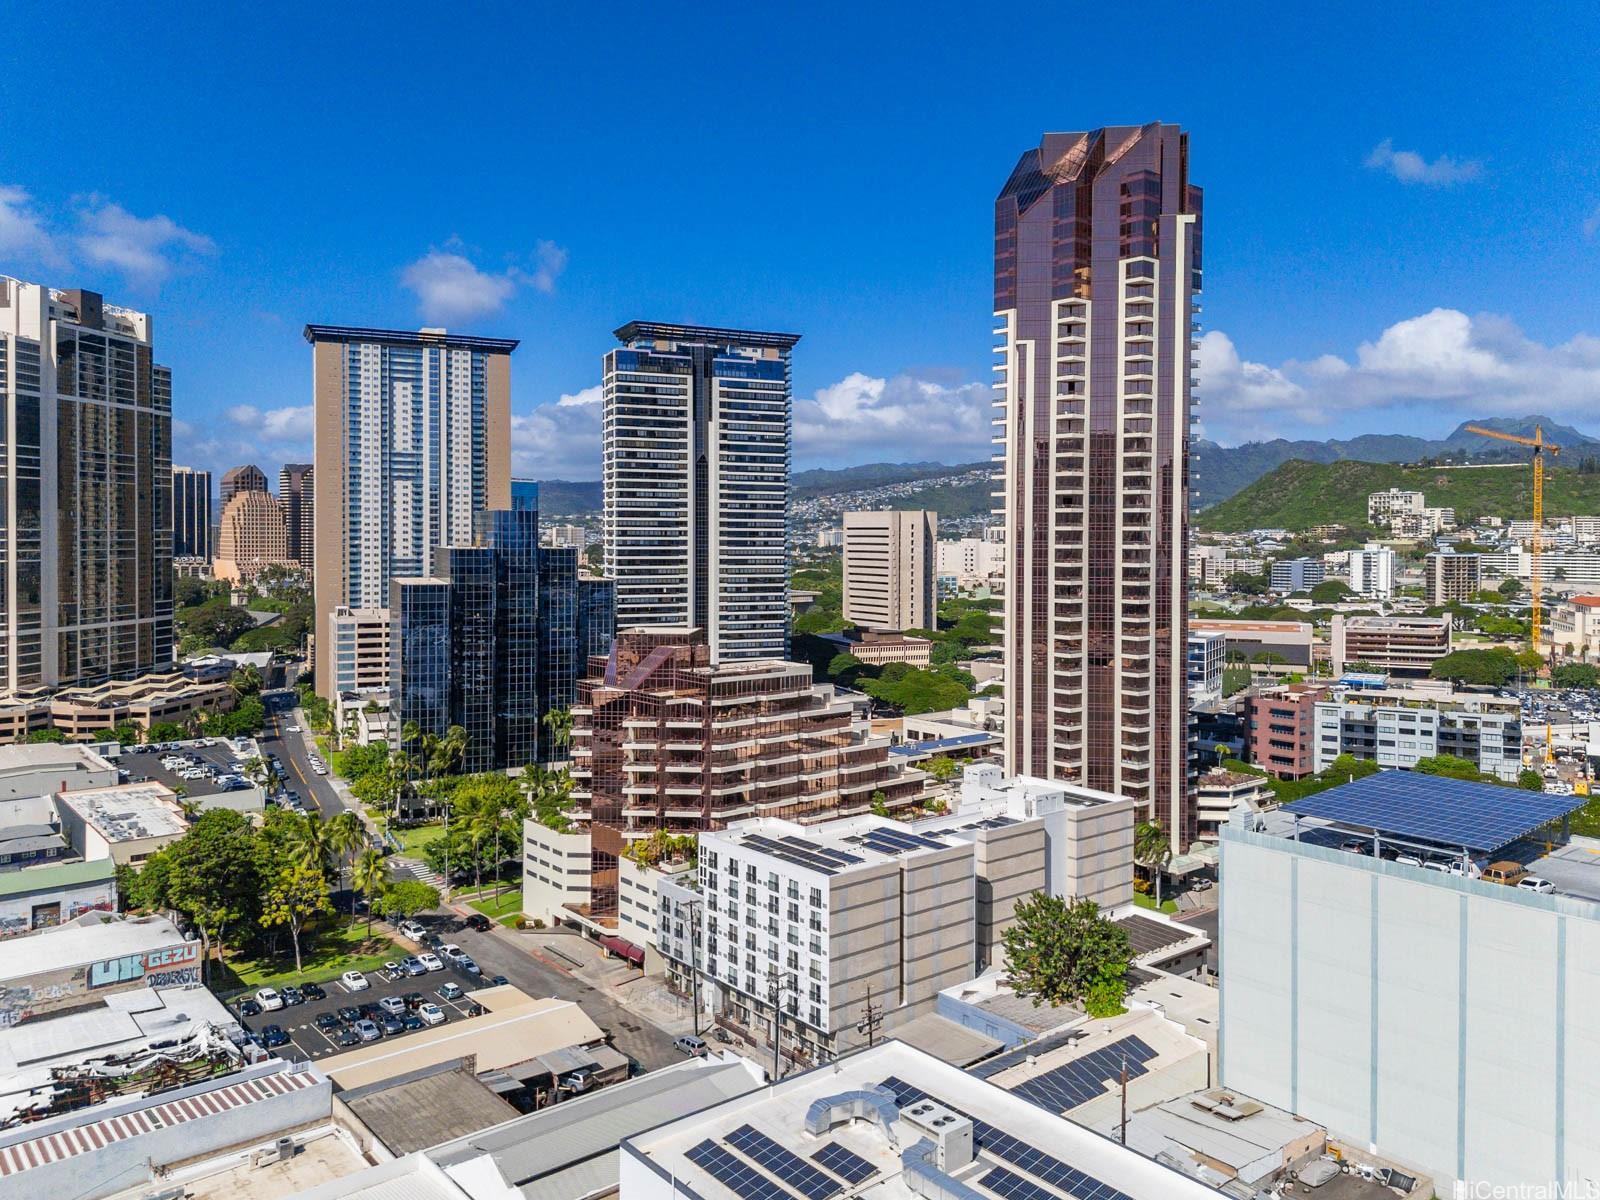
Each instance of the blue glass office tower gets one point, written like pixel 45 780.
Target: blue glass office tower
pixel 520 625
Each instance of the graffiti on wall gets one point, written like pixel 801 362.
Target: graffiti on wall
pixel 26 998
pixel 132 967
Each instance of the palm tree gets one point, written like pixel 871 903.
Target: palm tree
pixel 559 722
pixel 371 873
pixel 346 837
pixel 484 824
pixel 1152 849
pixel 314 841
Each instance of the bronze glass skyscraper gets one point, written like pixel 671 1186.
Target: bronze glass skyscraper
pixel 1097 265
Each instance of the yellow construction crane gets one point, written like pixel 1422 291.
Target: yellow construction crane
pixel 1539 447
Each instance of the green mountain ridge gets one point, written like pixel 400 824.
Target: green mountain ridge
pixel 1297 494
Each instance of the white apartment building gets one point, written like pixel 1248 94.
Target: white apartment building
pixel 889 569
pixel 972 562
pixel 1382 506
pixel 1573 629
pixel 1394 727
pixel 357 650
pixel 412 436
pixel 1449 577
pixel 1205 657
pixel 1372 571
pixel 86 491
pixel 1586 530
pixel 697 430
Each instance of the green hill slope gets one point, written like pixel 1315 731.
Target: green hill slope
pixel 1300 494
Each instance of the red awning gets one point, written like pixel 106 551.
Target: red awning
pixel 623 948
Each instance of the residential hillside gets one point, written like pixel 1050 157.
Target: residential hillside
pixel 1298 495
pixel 1223 471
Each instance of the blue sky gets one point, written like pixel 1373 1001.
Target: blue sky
pixel 1402 202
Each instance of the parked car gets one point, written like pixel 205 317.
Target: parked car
pixel 412 930
pixel 451 991
pixel 579 1081
pixel 412 1022
pixel 370 1010
pixel 346 1036
pixel 465 962
pixel 479 922
pixel 313 991
pixel 431 1013
pixel 391 1024
pixel 273 1036
pixel 412 965
pixel 693 1046
pixel 393 1004
pixel 450 952
pixel 1533 883
pixel 414 1000
pixel 269 999
pixel 1511 874
pixel 496 981
pixel 430 962
pixel 367 1031
pixel 349 1015
pixel 354 981
pixel 291 996
pixel 327 1022
pixel 248 1007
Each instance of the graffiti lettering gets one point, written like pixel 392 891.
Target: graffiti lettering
pixel 180 978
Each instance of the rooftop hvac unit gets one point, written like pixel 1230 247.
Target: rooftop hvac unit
pixel 281 1150
pixel 950 1133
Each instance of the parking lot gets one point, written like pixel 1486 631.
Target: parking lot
pixel 217 758
pixel 309 1041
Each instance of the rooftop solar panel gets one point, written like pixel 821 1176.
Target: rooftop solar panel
pixel 803 856
pixel 1001 1145
pixel 1434 808
pixel 738 1176
pixel 845 1163
pixel 1064 1088
pixel 782 1162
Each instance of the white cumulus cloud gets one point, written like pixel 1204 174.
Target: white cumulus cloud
pixel 903 418
pixel 1442 362
pixel 289 424
pixel 145 249
pixel 559 440
pixel 1410 167
pixel 22 229
pixel 450 288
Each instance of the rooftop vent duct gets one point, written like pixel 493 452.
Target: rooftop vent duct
pixel 870 1104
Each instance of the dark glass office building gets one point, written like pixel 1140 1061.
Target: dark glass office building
pixel 520 622
pixel 191 513
pixel 1096 271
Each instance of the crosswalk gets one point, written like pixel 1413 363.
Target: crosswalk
pixel 401 865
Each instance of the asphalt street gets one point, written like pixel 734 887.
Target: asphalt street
pixel 291 751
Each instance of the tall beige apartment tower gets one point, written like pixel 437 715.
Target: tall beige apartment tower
pixel 85 491
pixel 412 436
pixel 1096 272
pixel 889 569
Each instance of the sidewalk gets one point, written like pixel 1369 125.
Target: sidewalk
pixel 647 996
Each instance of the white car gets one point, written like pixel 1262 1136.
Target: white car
pixel 1534 884
pixel 393 1005
pixel 294 729
pixel 431 1013
pixel 450 952
pixel 431 961
pixel 269 1000
pixel 354 981
pixel 412 930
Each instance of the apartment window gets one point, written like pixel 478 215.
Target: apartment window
pixel 816 897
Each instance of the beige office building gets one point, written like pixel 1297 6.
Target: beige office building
pixel 889 569
pixel 252 537
pixel 1451 577
pixel 412 436
pixel 357 650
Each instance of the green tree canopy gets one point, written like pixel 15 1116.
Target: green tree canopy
pixel 1575 675
pixel 1510 587
pixel 297 894
pixel 1067 952
pixel 1530 780
pixel 406 898
pixel 1331 591
pixel 1484 668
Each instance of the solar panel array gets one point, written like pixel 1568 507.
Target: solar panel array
pixel 802 853
pixel 1001 1145
pixel 896 841
pixel 733 1173
pixel 1081 1080
pixel 1453 813
pixel 1010 1186
pixel 846 1164
pixel 783 1163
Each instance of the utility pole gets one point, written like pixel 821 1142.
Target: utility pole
pixel 1124 1138
pixel 869 1023
pixel 775 995
pixel 694 963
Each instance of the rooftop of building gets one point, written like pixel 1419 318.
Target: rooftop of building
pixel 92 938
pixel 409 337
pixel 1396 622
pixel 321 1155
pixel 985 783
pixel 830 847
pixel 26 839
pixel 1224 626
pixel 516 1029
pixel 424 1107
pixel 866 1125
pixel 129 812
pixel 636 330
pixel 18 758
pixel 56 875
pixel 558 1153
